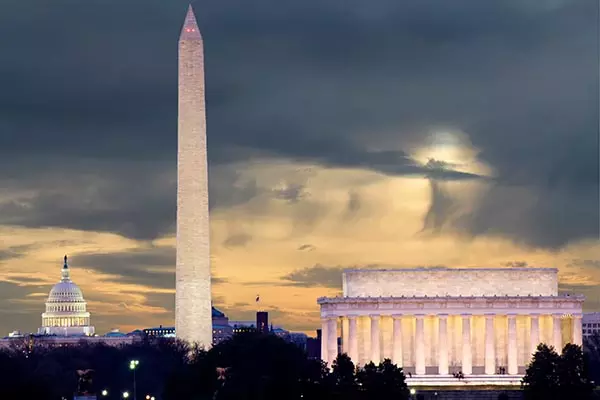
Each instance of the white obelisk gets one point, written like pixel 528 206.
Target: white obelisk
pixel 193 315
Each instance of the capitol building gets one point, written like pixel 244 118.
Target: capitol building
pixel 66 313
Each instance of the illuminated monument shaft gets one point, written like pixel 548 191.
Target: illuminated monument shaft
pixel 193 288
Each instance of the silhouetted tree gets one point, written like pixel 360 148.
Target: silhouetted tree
pixel 259 366
pixel 541 380
pixel 553 377
pixel 394 380
pixel 383 381
pixel 343 376
pixel 316 381
pixel 367 378
pixel 591 350
pixel 249 366
pixel 573 374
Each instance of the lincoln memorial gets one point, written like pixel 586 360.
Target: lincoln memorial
pixel 435 322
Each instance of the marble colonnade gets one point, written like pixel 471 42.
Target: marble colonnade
pixel 443 335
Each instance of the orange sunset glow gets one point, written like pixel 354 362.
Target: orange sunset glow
pixel 438 137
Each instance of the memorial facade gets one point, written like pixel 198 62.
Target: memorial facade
pixel 435 322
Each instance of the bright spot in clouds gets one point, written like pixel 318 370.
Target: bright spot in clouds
pixel 453 150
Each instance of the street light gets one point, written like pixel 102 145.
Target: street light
pixel 413 391
pixel 125 395
pixel 133 366
pixel 104 392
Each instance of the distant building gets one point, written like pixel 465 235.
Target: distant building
pixel 160 331
pixel 590 324
pixel 242 326
pixel 66 321
pixel 66 313
pixel 299 339
pixel 262 321
pixel 313 346
pixel 221 328
pixel 280 332
pixel 112 338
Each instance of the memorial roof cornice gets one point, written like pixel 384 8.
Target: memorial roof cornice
pixel 381 299
pixel 474 269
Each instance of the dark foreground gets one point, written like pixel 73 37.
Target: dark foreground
pixel 251 366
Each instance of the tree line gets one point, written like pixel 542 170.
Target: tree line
pixel 251 366
pixel 553 376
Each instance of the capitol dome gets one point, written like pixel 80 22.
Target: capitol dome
pixel 66 312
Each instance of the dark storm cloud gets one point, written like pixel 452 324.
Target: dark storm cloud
pixel 517 264
pixel 307 247
pixel 330 277
pixel 291 193
pixel 133 199
pixel 318 276
pixel 15 314
pixel 152 266
pixel 13 252
pixel 237 240
pixel 328 82
pixel 165 300
pixel 585 263
pixel 592 300
pixel 354 203
pixel 441 208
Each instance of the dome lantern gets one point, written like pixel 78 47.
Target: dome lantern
pixel 65 275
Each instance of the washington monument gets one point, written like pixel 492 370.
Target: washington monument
pixel 193 309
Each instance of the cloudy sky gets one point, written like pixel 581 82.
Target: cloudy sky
pixel 341 134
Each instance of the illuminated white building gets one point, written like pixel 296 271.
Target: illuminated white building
pixel 66 313
pixel 436 322
pixel 193 320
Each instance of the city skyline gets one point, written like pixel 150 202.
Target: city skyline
pixel 400 135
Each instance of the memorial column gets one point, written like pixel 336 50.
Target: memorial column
pixel 577 334
pixel 345 335
pixel 375 342
pixel 420 344
pixel 443 344
pixel 397 340
pixel 332 347
pixel 534 334
pixel 324 354
pixel 490 353
pixel 557 332
pixel 353 339
pixel 467 354
pixel 513 367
